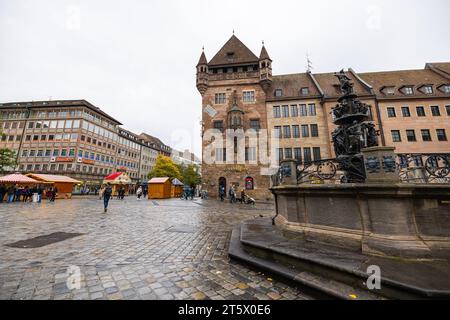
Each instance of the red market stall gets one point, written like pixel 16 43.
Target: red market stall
pixel 117 180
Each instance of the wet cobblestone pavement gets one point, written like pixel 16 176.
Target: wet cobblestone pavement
pixel 164 249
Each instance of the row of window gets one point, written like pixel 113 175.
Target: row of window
pixel 254 124
pixel 81 154
pixel 306 131
pixel 100 131
pixel 66 167
pixel 409 90
pixel 48 153
pixel 420 111
pixel 51 137
pixel 233 69
pixel 96 142
pixel 303 92
pixel 296 153
pixel 294 110
pixel 250 154
pixel 54 124
pixel 411 135
pixel 247 96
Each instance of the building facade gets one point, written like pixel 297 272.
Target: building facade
pixel 410 109
pixel 233 85
pixel 185 158
pixel 74 138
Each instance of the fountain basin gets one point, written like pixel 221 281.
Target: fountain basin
pixel 393 219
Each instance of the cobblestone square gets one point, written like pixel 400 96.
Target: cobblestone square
pixel 164 249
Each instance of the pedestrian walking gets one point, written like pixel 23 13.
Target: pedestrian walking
pixel 139 193
pixel 106 196
pixel 222 193
pixel 101 192
pixel 232 194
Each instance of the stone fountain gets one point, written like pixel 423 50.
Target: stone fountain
pixel 362 216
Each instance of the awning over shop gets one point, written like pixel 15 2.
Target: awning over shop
pixel 17 178
pixel 52 178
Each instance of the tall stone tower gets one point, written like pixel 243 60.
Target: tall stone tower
pixel 233 85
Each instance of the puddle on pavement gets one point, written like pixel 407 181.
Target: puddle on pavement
pixel 44 240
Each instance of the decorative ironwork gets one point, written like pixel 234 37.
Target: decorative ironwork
pixel 373 164
pixel 354 131
pixel 388 164
pixel 424 168
pixel 412 168
pixel 317 171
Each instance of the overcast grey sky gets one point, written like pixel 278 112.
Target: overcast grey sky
pixel 136 59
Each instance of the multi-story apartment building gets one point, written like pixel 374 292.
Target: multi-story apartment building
pixel 148 159
pixel 295 114
pixel 411 110
pixel 185 158
pixel 74 138
pixel 156 144
pixel 129 154
pixel 66 137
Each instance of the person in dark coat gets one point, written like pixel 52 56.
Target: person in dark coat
pixel 222 193
pixel 40 192
pixel 11 193
pixel 106 196
pixel 2 192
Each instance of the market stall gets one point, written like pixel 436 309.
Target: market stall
pixel 118 180
pixel 63 184
pixel 15 183
pixel 159 188
pixel 177 188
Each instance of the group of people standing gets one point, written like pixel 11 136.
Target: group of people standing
pixel 16 193
pixel 188 193
pixel 232 195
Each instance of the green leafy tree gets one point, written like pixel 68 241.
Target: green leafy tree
pixel 190 175
pixel 165 167
pixel 7 159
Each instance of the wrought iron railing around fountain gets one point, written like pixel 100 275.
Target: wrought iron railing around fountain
pixel 412 168
pixel 424 168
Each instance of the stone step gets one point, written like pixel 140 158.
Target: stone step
pixel 324 287
pixel 400 278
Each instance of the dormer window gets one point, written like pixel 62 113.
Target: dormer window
pixel 389 91
pixel 278 93
pixel 446 88
pixel 230 56
pixel 305 91
pixel 427 89
pixel 408 91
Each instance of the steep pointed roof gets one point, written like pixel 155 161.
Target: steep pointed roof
pixel 233 52
pixel 202 59
pixel 264 55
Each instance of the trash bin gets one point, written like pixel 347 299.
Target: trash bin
pixel 35 197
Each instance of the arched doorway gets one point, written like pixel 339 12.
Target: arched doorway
pixel 249 183
pixel 223 183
